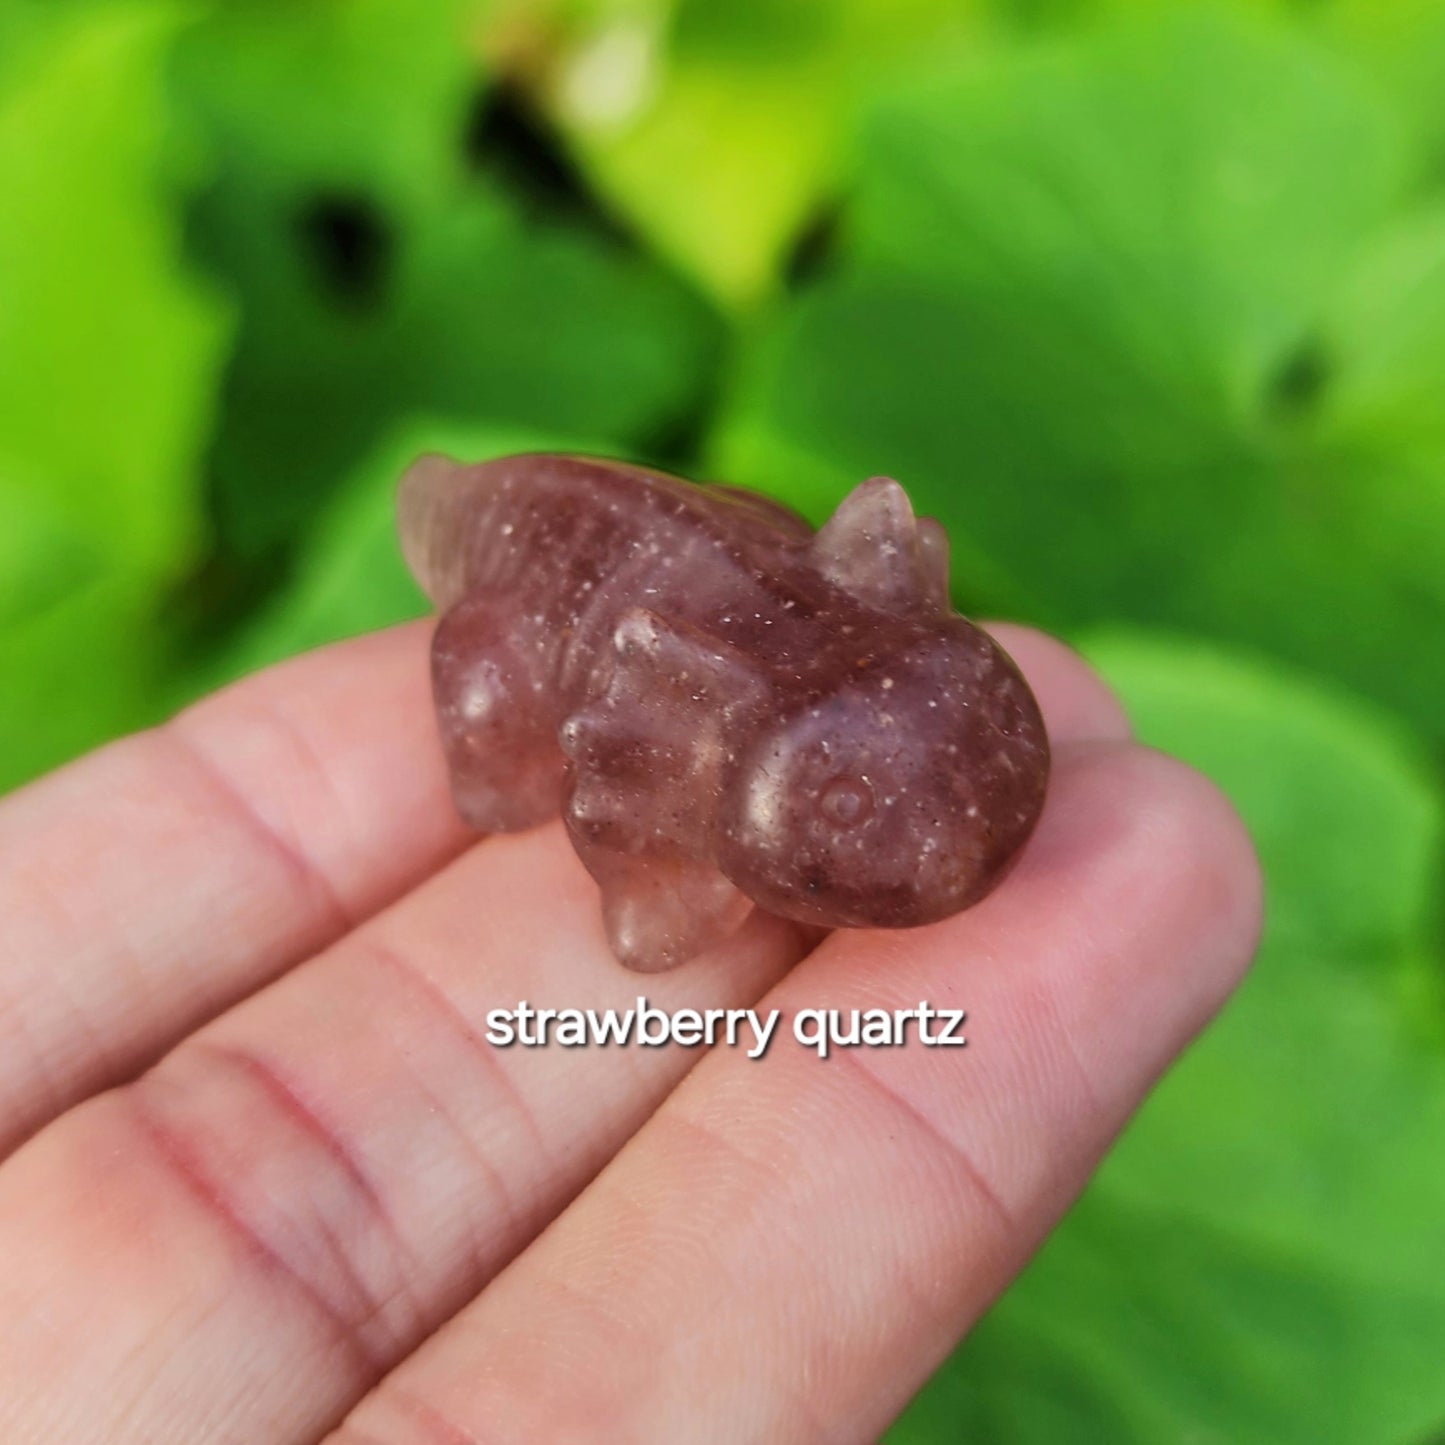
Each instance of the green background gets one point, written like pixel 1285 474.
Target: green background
pixel 1146 301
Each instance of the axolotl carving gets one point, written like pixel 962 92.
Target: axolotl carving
pixel 727 708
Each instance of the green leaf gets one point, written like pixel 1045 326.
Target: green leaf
pixel 1186 1334
pixel 1403 43
pixel 721 129
pixel 77 673
pixel 108 359
pixel 107 351
pixel 363 94
pixel 1349 818
pixel 1258 1260
pixel 350 577
pixel 43 553
pixel 1336 780
pixel 1145 320
pixel 1390 321
pixel 382 274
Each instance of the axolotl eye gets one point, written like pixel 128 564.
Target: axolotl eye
pixel 846 801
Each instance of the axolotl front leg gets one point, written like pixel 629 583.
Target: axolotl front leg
pixel 498 712
pixel 648 753
pixel 634 769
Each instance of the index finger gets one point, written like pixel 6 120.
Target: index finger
pixel 150 885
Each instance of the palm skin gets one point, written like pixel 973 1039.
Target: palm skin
pixel 263 1179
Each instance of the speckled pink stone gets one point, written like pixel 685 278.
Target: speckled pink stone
pixel 727 708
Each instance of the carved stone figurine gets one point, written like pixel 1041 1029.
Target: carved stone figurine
pixel 726 708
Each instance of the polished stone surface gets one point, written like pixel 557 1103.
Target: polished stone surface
pixel 727 708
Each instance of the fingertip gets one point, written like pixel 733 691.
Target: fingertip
pixel 1208 838
pixel 1176 850
pixel 1076 702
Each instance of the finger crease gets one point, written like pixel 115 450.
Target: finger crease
pixel 181 1160
pixel 951 1146
pixel 441 1003
pixel 291 854
pixel 486 1257
pixel 439 1429
pixel 288 1101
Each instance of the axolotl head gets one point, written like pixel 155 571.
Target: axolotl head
pixel 895 796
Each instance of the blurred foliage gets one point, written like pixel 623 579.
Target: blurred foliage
pixel 109 357
pixel 1257 1263
pixel 382 267
pixel 753 100
pixel 1159 317
pixel 1146 300
pixel 353 578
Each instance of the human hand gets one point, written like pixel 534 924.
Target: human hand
pixel 333 1211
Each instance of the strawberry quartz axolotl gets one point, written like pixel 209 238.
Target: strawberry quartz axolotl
pixel 727 708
